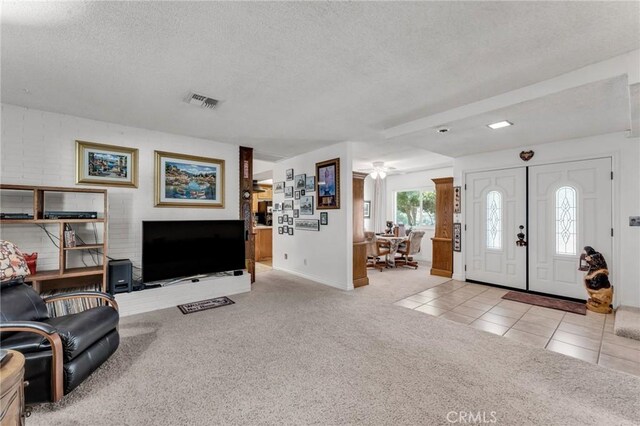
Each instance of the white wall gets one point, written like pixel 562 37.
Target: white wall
pixel 625 152
pixel 38 148
pixel 328 253
pixel 409 181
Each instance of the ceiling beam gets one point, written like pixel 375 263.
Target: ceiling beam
pixel 628 64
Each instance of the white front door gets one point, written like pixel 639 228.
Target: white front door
pixel 495 208
pixel 570 207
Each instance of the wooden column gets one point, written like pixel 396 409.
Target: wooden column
pixel 359 244
pixel 442 241
pixel 246 214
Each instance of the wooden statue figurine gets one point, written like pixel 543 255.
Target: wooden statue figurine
pixel 596 281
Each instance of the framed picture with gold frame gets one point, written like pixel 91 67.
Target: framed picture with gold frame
pixel 188 181
pixel 110 165
pixel 328 184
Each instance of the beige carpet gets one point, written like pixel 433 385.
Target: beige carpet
pixel 295 352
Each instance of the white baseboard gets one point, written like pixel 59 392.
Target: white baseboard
pixel 153 299
pixel 458 277
pixel 312 278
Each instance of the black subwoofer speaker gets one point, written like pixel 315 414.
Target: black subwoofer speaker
pixel 120 276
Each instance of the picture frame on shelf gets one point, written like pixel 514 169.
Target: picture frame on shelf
pixel 310 184
pixel 324 218
pixel 107 165
pixel 285 229
pixel 306 205
pixel 300 181
pixel 290 230
pixel 290 221
pixel 289 174
pixel 307 224
pixel 188 181
pixel 285 217
pixel 280 230
pixel 367 209
pixel 280 220
pixel 278 187
pixel 328 184
pixel 288 192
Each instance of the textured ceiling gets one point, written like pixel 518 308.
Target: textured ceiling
pixel 294 76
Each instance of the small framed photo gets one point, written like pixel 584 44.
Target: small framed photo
pixel 367 209
pixel 328 191
pixel 108 165
pixel 290 221
pixel 278 187
pixel 289 174
pixel 287 205
pixel 285 229
pixel 296 195
pixel 296 213
pixel 302 192
pixel 300 181
pixel 306 205
pixel 290 231
pixel 280 230
pixel 310 184
pixel 308 224
pixel 285 217
pixel 457 237
pixel 288 192
pixel 324 218
pixel 280 220
pixel 277 207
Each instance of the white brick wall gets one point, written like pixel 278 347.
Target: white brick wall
pixel 38 148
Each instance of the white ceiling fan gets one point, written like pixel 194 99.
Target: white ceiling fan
pixel 379 170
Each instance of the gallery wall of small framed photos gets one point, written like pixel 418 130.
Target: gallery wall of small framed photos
pixel 300 192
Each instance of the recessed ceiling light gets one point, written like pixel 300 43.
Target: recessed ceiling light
pixel 500 124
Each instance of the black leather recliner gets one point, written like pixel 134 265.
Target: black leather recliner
pixel 60 353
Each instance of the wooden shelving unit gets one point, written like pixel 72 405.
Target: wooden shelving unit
pixel 63 276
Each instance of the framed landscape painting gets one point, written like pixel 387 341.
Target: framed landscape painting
pixel 328 184
pixel 110 165
pixel 188 181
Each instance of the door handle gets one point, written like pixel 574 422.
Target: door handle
pixel 521 242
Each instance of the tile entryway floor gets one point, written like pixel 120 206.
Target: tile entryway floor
pixel 589 337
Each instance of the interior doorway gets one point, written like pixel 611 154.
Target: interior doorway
pixel 560 208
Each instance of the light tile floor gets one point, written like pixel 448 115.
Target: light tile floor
pixel 589 338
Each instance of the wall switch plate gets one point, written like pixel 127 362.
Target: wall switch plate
pixel 634 220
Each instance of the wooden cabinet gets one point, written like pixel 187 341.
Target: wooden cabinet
pixel 64 277
pixel 12 391
pixel 442 241
pixel 360 277
pixel 264 243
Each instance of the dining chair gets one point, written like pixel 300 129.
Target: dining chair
pixel 408 249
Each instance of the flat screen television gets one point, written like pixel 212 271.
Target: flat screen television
pixel 175 249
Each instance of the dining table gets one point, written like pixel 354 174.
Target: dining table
pixel 394 245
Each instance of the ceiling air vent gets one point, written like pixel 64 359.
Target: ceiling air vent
pixel 201 101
